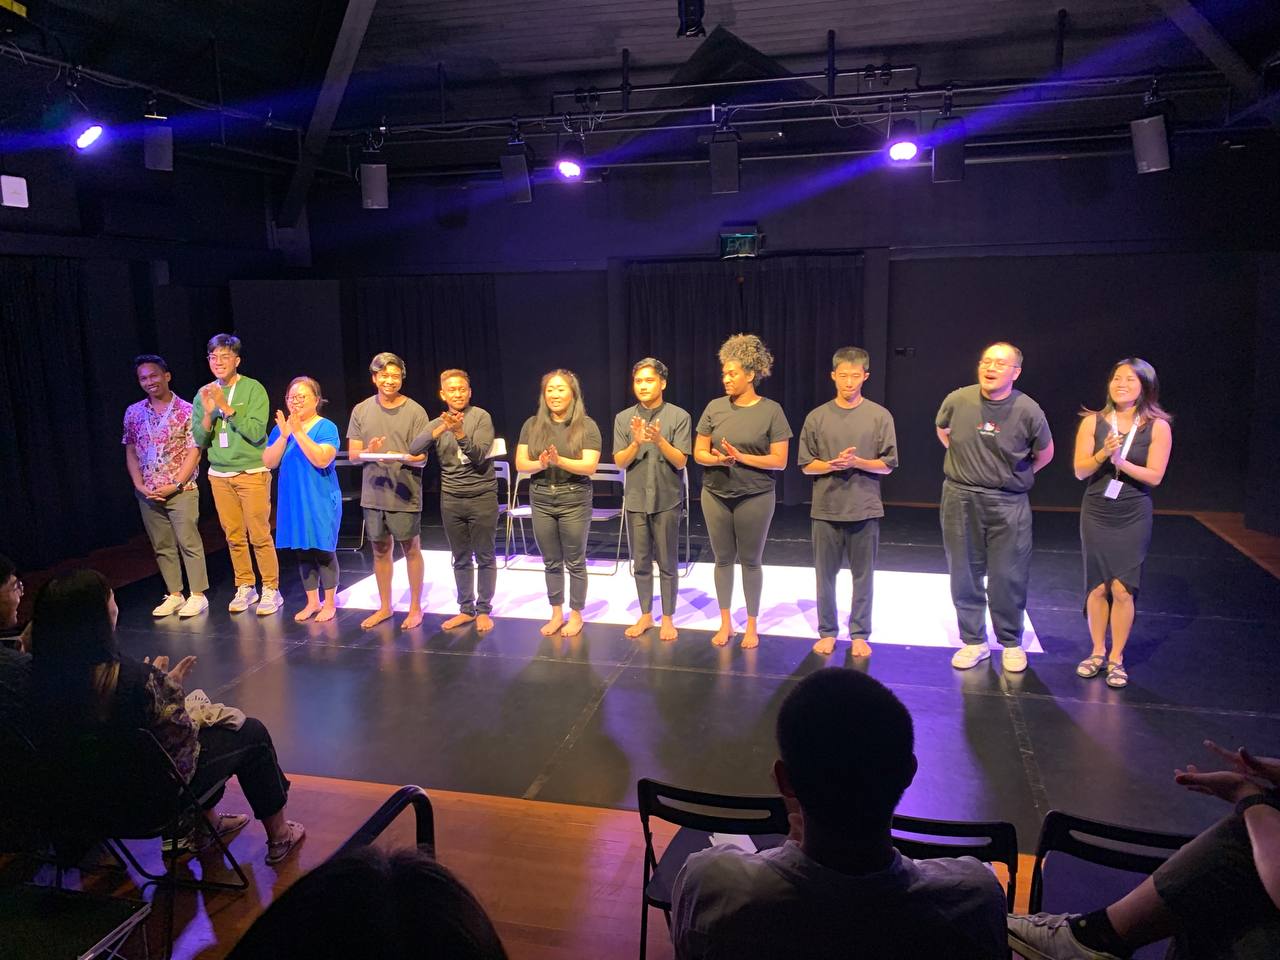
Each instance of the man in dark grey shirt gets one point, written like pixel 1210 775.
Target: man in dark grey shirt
pixel 463 437
pixel 997 438
pixel 652 441
pixel 848 444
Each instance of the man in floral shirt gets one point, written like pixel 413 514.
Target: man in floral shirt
pixel 163 459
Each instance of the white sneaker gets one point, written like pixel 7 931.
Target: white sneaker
pixel 245 595
pixel 1048 936
pixel 1013 659
pixel 196 604
pixel 970 655
pixel 271 602
pixel 170 604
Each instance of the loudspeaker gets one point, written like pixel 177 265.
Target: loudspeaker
pixel 515 174
pixel 724 165
pixel 157 148
pixel 948 150
pixel 373 186
pixel 1150 143
pixel 13 192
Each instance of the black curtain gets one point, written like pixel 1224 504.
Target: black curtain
pixel 71 328
pixel 804 308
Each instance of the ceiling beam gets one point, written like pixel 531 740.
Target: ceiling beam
pixel 1242 77
pixel 341 62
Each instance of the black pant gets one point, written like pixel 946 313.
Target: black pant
pixel 987 533
pixel 835 541
pixel 737 528
pixel 561 521
pixel 318 568
pixel 471 523
pixel 247 754
pixel 655 536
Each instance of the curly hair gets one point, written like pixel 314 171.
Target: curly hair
pixel 749 352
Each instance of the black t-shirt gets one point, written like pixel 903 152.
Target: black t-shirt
pixel 992 442
pixel 560 440
pixel 752 429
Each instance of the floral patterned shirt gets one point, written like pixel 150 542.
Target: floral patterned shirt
pixel 161 440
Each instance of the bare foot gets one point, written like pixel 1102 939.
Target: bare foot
pixel 456 621
pixel 638 628
pixel 722 636
pixel 306 613
pixel 552 626
pixel 824 646
pixel 484 623
pixel 414 619
pixel 327 613
pixel 750 639
pixel 574 626
pixel 375 618
pixel 860 648
pixel 668 631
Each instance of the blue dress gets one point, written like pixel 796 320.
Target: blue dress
pixel 308 501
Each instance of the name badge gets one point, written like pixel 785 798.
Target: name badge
pixel 223 440
pixel 1113 489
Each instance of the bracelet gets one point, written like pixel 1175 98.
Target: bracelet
pixel 1269 799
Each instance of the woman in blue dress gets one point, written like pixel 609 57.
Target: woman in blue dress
pixel 308 502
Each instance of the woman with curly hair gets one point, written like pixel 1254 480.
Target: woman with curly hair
pixel 742 440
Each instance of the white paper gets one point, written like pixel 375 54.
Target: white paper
pixel 739 840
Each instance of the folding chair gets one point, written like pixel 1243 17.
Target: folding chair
pixel 608 473
pixel 517 512
pixel 502 473
pixel 993 841
pixel 698 815
pixel 1093 863
pixel 47 923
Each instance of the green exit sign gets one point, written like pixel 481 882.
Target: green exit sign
pixel 740 243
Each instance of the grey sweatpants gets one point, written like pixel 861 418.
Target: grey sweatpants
pixel 738 528
pixel 987 533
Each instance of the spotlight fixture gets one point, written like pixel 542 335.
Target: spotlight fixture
pixel 724 159
pixel 516 162
pixel 948 145
pixel 85 133
pixel 691 13
pixel 571 162
pixel 1150 133
pixel 902 146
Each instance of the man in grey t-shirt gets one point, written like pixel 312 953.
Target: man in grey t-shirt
pixel 997 438
pixel 652 441
pixel 848 444
pixel 391 489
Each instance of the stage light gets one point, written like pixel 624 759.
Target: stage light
pixel 948 149
pixel 571 162
pixel 691 13
pixel 85 135
pixel 1150 133
pixel 516 162
pixel 902 145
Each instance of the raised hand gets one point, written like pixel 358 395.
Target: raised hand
pixel 730 453
pixel 452 422
pixel 284 424
pixel 1226 785
pixel 552 454
pixel 179 673
pixel 652 431
pixel 637 430
pixel 295 423
pixel 207 400
pixel 375 445
pixel 1242 761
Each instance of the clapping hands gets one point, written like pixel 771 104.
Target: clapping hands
pixel 179 673
pixel 1249 775
pixel 549 457
pixel 845 459
pixel 284 424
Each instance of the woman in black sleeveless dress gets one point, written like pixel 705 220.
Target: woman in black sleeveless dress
pixel 1122 451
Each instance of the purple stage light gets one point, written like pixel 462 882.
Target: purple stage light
pixel 88 136
pixel 569 169
pixel 902 141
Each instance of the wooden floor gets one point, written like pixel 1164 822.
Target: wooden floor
pixel 561 882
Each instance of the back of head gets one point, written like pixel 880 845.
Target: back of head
pixel 374 905
pixel 71 632
pixel 847 743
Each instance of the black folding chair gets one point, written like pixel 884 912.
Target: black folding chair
pixel 698 815
pixel 1093 863
pixel 993 841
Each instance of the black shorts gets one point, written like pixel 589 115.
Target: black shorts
pixel 400 525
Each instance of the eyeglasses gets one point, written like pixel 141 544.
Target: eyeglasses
pixel 995 364
pixel 221 356
pixel 295 398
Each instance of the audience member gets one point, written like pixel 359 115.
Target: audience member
pixel 1218 897
pixel 377 906
pixel 837 887
pixel 10 599
pixel 81 683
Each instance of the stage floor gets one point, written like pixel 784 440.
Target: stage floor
pixel 517 714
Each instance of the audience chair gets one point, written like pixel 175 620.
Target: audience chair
pixel 517 512
pixel 502 474
pixel 382 818
pixel 1083 865
pixel 608 473
pixel 47 923
pixel 698 815
pixel 992 841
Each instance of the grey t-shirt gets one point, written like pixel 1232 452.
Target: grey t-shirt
pixel 751 429
pixel 389 484
pixel 465 467
pixel 778 904
pixel 560 440
pixel 848 494
pixel 653 484
pixel 992 442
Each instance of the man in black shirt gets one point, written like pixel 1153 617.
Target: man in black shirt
pixel 997 438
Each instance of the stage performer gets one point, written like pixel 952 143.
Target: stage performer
pixel 742 441
pixel 848 444
pixel 997 439
pixel 390 490
pixel 652 441
pixel 1122 451
pixel 309 508
pixel 560 447
pixel 163 461
pixel 233 426
pixel 463 437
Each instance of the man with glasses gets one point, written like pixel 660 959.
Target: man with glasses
pixel 997 438
pixel 233 427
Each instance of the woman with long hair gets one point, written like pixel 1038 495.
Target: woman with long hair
pixel 560 446
pixel 1122 451
pixel 303 445
pixel 742 441
pixel 82 684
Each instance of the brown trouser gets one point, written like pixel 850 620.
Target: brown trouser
pixel 244 510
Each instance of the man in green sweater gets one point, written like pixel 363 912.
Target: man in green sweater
pixel 233 428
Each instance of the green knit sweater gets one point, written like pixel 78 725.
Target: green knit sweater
pixel 246 431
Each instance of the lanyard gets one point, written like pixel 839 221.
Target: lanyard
pixel 1128 440
pixel 155 450
pixel 230 395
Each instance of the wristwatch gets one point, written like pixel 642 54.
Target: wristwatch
pixel 1254 799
